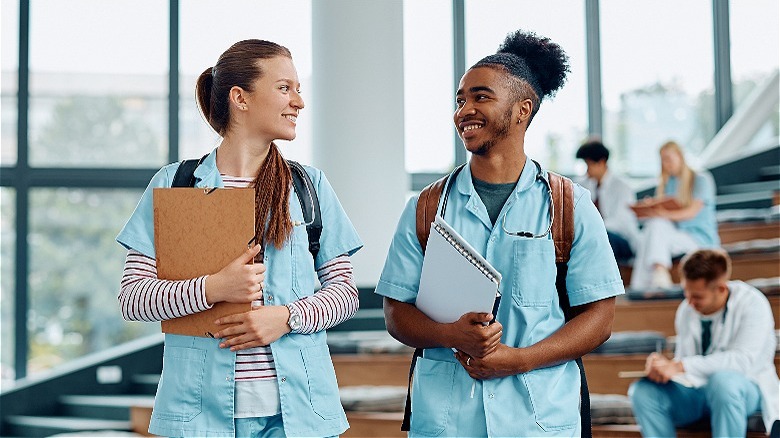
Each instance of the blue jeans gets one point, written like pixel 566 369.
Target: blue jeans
pixel 729 398
pixel 620 248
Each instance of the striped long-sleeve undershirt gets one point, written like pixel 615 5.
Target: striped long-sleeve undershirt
pixel 144 297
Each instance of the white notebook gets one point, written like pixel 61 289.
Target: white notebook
pixel 455 278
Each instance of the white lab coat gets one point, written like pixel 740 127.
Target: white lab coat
pixel 615 196
pixel 743 341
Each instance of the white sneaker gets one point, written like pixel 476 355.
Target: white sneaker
pixel 662 279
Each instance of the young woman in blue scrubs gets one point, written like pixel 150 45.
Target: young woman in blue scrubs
pixel 670 233
pixel 515 377
pixel 270 375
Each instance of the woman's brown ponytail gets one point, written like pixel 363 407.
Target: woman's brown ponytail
pixel 272 191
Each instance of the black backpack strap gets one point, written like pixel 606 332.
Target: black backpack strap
pixel 185 174
pixel 310 205
pixel 563 298
pixel 406 423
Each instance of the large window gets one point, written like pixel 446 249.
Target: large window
pixel 562 122
pixel 9 60
pixel 429 89
pixel 9 57
pixel 657 75
pixel 755 49
pixel 73 290
pixel 98 83
pixel 7 283
pixel 288 24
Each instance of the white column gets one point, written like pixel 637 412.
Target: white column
pixel 358 118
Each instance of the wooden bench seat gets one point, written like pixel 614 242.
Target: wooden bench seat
pixel 658 315
pixel 602 371
pixel 731 232
pixel 372 369
pixel 632 430
pixel 374 424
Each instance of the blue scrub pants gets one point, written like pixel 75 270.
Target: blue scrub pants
pixel 260 427
pixel 728 398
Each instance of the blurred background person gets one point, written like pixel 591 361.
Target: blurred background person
pixel 613 197
pixel 669 233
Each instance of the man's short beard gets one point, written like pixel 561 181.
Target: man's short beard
pixel 501 133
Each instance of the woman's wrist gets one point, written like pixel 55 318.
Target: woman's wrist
pixel 211 285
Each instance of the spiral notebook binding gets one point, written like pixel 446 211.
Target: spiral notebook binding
pixel 465 253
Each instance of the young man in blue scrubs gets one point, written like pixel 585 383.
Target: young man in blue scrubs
pixel 515 377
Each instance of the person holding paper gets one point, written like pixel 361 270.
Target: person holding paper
pixel 670 233
pixel 613 198
pixel 723 364
pixel 271 374
pixel 514 377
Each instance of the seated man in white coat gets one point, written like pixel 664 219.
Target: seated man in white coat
pixel 612 197
pixel 723 365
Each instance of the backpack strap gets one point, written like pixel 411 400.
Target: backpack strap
pixel 563 220
pixel 185 174
pixel 310 205
pixel 428 204
pixel 562 190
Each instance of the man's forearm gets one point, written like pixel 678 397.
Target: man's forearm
pixel 406 323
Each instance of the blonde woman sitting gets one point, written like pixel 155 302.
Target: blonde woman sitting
pixel 668 233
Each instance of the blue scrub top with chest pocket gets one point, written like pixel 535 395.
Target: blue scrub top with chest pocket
pixel 542 402
pixel 195 396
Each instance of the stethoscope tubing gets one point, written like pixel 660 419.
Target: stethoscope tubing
pixel 526 234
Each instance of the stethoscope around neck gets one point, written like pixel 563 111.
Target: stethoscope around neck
pixel 525 234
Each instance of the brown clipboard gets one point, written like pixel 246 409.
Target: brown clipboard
pixel 197 232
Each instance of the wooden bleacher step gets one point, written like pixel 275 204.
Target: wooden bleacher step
pixel 29 425
pixel 739 232
pixel 109 407
pixel 372 369
pixel 602 371
pixel 658 315
pixel 374 424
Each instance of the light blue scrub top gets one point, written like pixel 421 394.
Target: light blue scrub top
pixel 704 226
pixel 196 392
pixel 543 402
